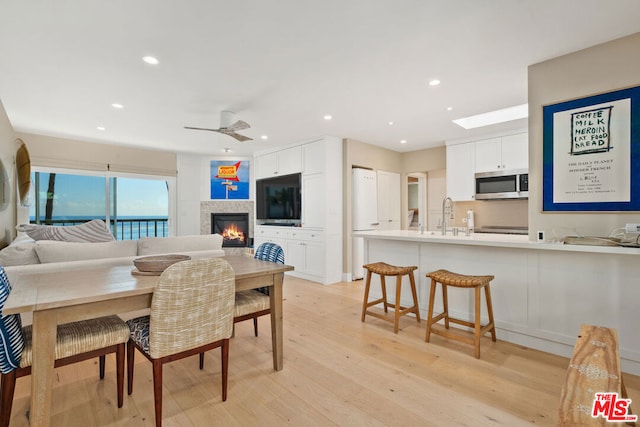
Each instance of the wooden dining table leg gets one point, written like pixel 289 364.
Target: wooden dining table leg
pixel 44 342
pixel 275 297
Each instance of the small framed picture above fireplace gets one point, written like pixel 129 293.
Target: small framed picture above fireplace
pixel 229 179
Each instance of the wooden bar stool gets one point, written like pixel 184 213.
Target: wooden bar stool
pixel 447 278
pixel 384 269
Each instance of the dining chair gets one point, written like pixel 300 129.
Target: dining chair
pixel 254 303
pixel 191 313
pixel 75 342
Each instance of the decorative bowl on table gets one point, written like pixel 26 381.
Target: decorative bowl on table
pixel 156 264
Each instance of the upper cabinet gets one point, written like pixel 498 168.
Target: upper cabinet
pixel 313 155
pixel 313 184
pixel 503 153
pixel 460 172
pixel 283 162
pixel 515 151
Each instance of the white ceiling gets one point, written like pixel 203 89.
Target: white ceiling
pixel 281 65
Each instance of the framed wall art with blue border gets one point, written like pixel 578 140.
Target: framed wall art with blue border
pixel 591 153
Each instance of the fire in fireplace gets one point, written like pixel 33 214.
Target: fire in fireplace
pixel 233 227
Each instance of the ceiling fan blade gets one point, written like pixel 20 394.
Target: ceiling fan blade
pixel 229 130
pixel 239 125
pixel 239 137
pixel 212 130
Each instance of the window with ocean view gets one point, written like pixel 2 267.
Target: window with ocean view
pixel 133 207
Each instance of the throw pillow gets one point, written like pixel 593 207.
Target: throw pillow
pixel 93 231
pixel 21 251
pixel 11 341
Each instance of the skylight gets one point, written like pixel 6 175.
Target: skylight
pixel 494 117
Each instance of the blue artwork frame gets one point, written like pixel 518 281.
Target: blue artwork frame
pixel 229 179
pixel 612 138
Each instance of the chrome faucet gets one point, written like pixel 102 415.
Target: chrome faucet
pixel 444 218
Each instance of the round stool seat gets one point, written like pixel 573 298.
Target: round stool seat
pixel 385 269
pixel 460 280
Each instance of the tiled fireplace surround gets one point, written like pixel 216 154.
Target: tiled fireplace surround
pixel 225 206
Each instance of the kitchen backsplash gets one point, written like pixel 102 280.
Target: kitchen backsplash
pixel 498 212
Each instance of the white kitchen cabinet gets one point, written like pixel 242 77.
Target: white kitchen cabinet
pixel 303 249
pixel 266 165
pixel 388 200
pixel 306 254
pixel 281 162
pixel 312 202
pixel 504 153
pixel 314 248
pixel 313 157
pixel 488 154
pixel 460 162
pixel 269 234
pixel 515 151
pixel 313 184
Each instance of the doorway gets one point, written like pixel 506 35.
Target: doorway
pixel 416 200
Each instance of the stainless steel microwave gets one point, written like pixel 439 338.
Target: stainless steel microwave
pixel 507 184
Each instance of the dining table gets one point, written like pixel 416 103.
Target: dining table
pixel 56 298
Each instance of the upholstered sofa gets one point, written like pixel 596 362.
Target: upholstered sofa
pixel 26 255
pixel 49 249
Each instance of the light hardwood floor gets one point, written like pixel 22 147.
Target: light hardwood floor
pixel 337 371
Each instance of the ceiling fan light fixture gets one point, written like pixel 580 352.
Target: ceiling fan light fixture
pixel 226 119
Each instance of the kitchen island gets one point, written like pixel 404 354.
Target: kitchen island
pixel 542 292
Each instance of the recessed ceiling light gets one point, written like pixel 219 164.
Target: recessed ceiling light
pixel 434 82
pixel 328 117
pixel 116 105
pixel 449 108
pixel 390 123
pixel 403 141
pixel 101 128
pixel 264 137
pixel 494 117
pixel 151 60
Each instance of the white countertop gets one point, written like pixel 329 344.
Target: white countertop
pixel 487 239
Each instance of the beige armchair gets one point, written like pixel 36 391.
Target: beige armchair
pixel 191 312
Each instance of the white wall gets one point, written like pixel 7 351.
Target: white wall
pixel 193 186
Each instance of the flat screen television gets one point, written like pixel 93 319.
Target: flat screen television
pixel 279 198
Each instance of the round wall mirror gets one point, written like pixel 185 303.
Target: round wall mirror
pixel 23 167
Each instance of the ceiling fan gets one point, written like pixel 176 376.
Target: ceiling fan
pixel 229 128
